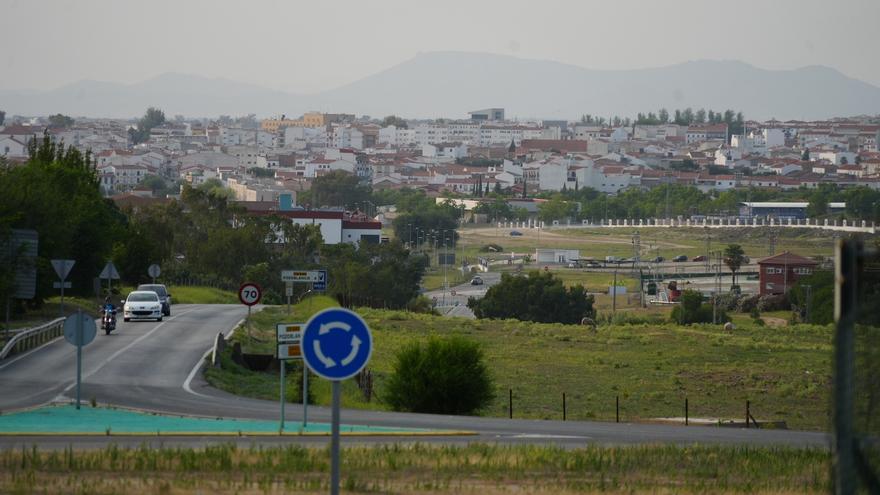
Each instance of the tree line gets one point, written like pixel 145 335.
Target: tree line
pixel 203 235
pixel 688 116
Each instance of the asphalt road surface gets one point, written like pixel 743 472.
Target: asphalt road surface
pixel 156 367
pixel 456 305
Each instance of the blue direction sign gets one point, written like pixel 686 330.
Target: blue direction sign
pixel 321 284
pixel 336 344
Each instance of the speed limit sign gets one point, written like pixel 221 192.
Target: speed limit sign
pixel 249 293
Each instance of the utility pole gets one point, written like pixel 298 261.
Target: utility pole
pixel 772 245
pixel 614 290
pixel 708 248
pixel 808 299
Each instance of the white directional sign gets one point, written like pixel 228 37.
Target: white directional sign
pixel 109 272
pixel 314 276
pixel 289 332
pixel 62 267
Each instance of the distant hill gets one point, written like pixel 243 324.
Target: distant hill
pixel 449 84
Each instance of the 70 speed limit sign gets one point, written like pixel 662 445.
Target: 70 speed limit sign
pixel 249 293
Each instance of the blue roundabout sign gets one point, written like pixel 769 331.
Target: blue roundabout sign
pixel 336 344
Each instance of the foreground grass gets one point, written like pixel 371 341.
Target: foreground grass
pixel 651 368
pixel 476 468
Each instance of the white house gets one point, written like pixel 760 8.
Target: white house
pixel 445 150
pixel 12 147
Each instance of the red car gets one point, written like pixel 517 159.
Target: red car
pixel 699 258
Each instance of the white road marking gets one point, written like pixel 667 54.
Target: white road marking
pixel 201 362
pixel 33 351
pixel 121 351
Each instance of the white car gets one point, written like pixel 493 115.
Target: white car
pixel 142 305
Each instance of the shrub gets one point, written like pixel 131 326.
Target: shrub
pixel 491 248
pixel 693 310
pixel 443 376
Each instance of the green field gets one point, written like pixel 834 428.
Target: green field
pixel 599 243
pixel 784 372
pixel 473 469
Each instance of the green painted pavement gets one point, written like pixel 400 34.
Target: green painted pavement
pixel 66 419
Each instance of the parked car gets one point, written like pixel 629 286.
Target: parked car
pixel 701 257
pixel 515 233
pixel 658 259
pixel 162 292
pixel 592 264
pixel 573 264
pixel 476 281
pixel 680 258
pixel 142 305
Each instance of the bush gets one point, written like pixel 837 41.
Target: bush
pixel 774 303
pixel 693 310
pixel 443 376
pixel 491 248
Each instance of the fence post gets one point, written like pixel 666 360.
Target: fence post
pixel 685 411
pixel 563 406
pixel 747 413
pixel 617 409
pixel 510 402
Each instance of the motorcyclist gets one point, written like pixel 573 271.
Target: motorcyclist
pixel 109 311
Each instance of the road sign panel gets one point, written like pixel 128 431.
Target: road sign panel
pixel 321 285
pixel 288 289
pixel 249 293
pixel 88 328
pixel 58 285
pixel 304 276
pixel 336 344
pixel 288 332
pixel 109 271
pixel 289 351
pixel 63 267
pixel 154 270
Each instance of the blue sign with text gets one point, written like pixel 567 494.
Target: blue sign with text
pixel 321 285
pixel 336 344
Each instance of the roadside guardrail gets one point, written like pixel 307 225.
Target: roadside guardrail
pixel 30 338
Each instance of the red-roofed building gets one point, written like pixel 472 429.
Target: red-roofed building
pixel 778 273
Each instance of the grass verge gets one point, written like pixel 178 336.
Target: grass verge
pixel 651 368
pixel 476 468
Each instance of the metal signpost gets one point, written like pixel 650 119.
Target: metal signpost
pixel 62 268
pixel 288 336
pixel 109 272
pixel 249 294
pixel 336 345
pixel 153 271
pixel 79 330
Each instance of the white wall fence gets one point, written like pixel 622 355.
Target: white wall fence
pixel 807 223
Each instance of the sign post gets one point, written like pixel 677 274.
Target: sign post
pixel 62 269
pixel 288 336
pixel 336 345
pixel 153 271
pixel 79 330
pixel 109 272
pixel 249 294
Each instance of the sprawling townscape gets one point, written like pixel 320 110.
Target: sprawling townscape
pixel 260 160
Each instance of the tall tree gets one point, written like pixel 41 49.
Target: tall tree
pixel 734 258
pixel 338 188
pixel 153 117
pixel 395 121
pixel 664 115
pixel 2 117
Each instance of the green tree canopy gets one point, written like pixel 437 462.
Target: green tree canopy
pixel 734 258
pixel 59 120
pixel 153 117
pixel 395 121
pixel 537 297
pixel 338 188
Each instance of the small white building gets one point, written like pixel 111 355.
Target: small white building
pixel 556 256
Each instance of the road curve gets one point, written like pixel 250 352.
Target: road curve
pixel 156 367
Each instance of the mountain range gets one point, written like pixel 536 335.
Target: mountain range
pixel 449 84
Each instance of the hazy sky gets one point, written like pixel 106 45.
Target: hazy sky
pixel 308 46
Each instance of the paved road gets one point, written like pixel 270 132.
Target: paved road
pixel 155 366
pixel 456 305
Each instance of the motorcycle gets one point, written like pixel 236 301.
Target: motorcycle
pixel 108 320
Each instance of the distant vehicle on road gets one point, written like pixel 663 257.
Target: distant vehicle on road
pixel 574 264
pixel 701 257
pixel 515 233
pixel 592 264
pixel 162 292
pixel 611 259
pixel 658 259
pixel 142 305
pixel 476 281
pixel 679 258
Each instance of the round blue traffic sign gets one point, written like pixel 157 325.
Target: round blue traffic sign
pixel 336 344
